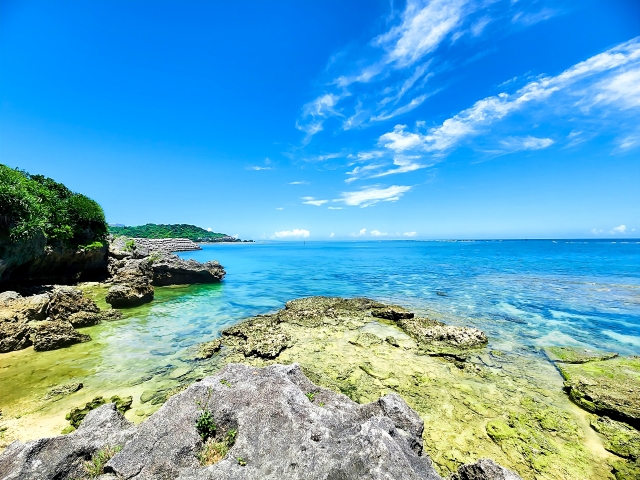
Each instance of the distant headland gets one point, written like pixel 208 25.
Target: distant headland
pixel 182 230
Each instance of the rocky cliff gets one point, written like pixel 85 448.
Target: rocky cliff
pixel 244 423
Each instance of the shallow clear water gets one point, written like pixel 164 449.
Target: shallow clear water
pixel 520 293
pixel 523 292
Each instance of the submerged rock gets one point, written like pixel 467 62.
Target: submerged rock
pixel 208 349
pixel 49 335
pixel 576 355
pixel 285 428
pixel 606 387
pixel 60 391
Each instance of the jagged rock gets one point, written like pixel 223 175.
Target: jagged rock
pixel 66 301
pixel 63 457
pixel 287 428
pixel 172 270
pixel 606 387
pixel 260 336
pixel 49 335
pixel 208 349
pixel 576 355
pixel 15 334
pixel 484 469
pixel 437 338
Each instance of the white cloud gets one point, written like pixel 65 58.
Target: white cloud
pixel 299 183
pixel 377 233
pixel 517 144
pixel 478 27
pixel 313 201
pixel 628 142
pixel 491 109
pixel 622 89
pixel 209 229
pixel 258 168
pixel 410 234
pixel 295 233
pixel 405 163
pixel 279 208
pixel 335 208
pixel 619 229
pixel 332 235
pixel 532 18
pixel 372 195
pixel 424 26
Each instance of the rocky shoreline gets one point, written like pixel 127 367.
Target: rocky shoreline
pixel 272 423
pixel 47 316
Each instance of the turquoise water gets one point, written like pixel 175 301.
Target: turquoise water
pixel 559 292
pixel 522 294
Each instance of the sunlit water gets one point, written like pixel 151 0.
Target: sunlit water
pixel 520 293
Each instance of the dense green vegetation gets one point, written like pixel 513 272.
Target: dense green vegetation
pixel 152 230
pixel 30 204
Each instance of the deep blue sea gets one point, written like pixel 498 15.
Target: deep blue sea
pixel 541 292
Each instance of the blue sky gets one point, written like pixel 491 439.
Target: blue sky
pixel 333 120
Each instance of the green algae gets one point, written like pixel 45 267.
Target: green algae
pixel 621 439
pixel 508 406
pixel 576 355
pixel 606 387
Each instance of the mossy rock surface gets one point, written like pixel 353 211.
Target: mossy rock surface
pixel 622 439
pixel 503 405
pixel 606 387
pixel 576 355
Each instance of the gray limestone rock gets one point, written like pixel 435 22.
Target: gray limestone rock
pixel 62 457
pixel 53 335
pixel 484 469
pixel 170 269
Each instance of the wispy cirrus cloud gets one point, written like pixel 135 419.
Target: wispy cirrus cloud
pixel 518 144
pixel 599 79
pixel 313 201
pixel 367 197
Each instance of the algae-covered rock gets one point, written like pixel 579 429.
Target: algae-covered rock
pixel 52 335
pixel 208 349
pixel 391 312
pixel 259 337
pixel 76 415
pixel 622 439
pixel 626 470
pixel 606 387
pixel 437 338
pixel 576 355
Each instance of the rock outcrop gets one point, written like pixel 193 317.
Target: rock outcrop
pixel 283 426
pixel 132 284
pixel 603 383
pixel 47 320
pixel 137 265
pixel 265 336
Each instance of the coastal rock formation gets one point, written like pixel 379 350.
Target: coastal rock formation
pixel 264 336
pixel 173 270
pixel 49 335
pixel 137 265
pixel 131 284
pixel 609 387
pixel 284 427
pixel 47 320
pixel 64 457
pixel 576 355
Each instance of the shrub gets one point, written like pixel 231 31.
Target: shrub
pixel 95 466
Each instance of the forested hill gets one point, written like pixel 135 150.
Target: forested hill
pixel 152 230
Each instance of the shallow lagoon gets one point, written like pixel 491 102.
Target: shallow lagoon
pixel 523 294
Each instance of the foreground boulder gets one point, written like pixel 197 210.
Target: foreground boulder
pixel 284 427
pixel 53 335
